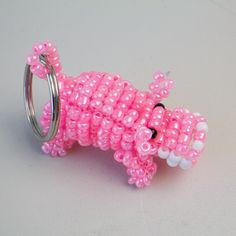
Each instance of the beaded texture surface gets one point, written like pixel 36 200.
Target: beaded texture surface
pixel 102 110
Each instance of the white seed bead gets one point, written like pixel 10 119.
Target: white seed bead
pixel 163 154
pixel 185 164
pixel 170 163
pixel 202 126
pixel 198 145
pixel 174 158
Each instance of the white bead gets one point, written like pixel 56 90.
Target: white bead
pixel 170 163
pixel 185 164
pixel 163 154
pixel 173 158
pixel 202 126
pixel 198 145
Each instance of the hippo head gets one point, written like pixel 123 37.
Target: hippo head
pixel 177 136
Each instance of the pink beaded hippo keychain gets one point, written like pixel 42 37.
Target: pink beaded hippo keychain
pixel 101 109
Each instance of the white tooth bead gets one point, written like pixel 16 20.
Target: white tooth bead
pixel 163 154
pixel 174 158
pixel 170 163
pixel 185 164
pixel 202 126
pixel 198 145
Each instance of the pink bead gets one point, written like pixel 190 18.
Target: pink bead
pixel 72 124
pixel 140 172
pixel 128 121
pixel 118 114
pixel 115 138
pixel 140 183
pixel 103 89
pixel 146 115
pixel 126 145
pixel 107 123
pixel 107 109
pixel 32 59
pixel 134 165
pixel 82 126
pixel 74 114
pixel 110 101
pixel 155 124
pixel 159 76
pixel 174 125
pixel 177 114
pixel 46 148
pixel 141 121
pixel 187 129
pixel 127 159
pixel 143 134
pixel 192 154
pixel 181 149
pixel 200 135
pixel 96 104
pixel 164 93
pixel 184 139
pixel 98 95
pixel 87 91
pixel 158 111
pixel 153 169
pixel 85 116
pixel 172 133
pixel 144 148
pixel 97 118
pixel 131 180
pixel 133 113
pixel 149 103
pixel 114 94
pixel 189 116
pixel 117 129
pixel 128 137
pixel 83 101
pixel 170 143
pixel 71 133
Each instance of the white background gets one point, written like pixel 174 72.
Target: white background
pixel 86 193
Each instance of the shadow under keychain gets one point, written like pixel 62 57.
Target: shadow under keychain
pixel 101 109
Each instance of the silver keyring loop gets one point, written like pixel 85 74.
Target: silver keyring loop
pixel 54 98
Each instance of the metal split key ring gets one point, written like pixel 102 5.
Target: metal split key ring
pixel 54 99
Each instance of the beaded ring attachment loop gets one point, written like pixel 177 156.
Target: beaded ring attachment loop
pixel 54 98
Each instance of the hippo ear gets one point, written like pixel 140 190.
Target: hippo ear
pixel 161 86
pixel 142 137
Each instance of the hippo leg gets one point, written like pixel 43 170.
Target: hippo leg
pixel 140 170
pixel 59 145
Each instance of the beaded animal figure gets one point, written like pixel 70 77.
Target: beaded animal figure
pixel 102 110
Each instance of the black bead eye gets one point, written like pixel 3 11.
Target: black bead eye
pixel 154 133
pixel 159 105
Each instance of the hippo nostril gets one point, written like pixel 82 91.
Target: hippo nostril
pixel 154 133
pixel 160 105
